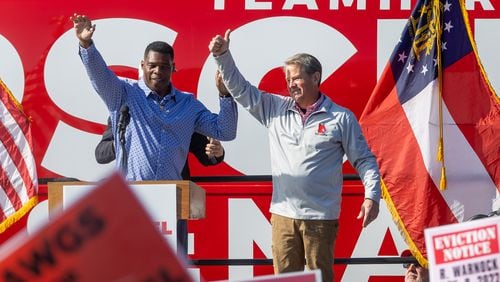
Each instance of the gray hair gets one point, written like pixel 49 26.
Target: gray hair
pixel 307 63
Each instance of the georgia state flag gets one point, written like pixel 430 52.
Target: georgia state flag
pixel 433 122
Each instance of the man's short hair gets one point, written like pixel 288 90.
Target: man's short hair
pixel 307 62
pixel 160 47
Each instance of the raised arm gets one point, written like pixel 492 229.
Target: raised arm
pixel 260 105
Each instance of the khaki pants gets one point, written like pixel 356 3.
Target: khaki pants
pixel 303 242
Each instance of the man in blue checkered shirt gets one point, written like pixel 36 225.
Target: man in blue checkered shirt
pixel 162 118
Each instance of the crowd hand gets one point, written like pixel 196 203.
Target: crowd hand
pixel 369 211
pixel 219 45
pixel 83 28
pixel 220 85
pixel 214 148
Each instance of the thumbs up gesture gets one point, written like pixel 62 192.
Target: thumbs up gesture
pixel 219 45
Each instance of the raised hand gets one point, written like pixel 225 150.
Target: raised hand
pixel 219 45
pixel 83 29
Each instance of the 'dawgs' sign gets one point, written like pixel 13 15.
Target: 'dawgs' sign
pixel 93 241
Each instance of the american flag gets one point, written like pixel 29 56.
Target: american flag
pixel 18 178
pixel 433 122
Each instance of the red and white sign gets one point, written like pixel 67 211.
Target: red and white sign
pixel 466 244
pixel 468 251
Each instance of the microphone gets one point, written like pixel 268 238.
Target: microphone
pixel 123 122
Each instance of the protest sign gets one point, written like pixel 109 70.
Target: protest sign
pixel 464 252
pixel 105 236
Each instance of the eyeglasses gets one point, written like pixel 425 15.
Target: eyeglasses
pixel 407 254
pixel 407 265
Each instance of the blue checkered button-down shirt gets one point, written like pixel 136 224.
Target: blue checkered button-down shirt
pixel 158 135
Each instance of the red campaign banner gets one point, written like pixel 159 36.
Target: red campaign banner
pixel 106 236
pixel 353 39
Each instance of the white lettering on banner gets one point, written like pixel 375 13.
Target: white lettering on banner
pixel 247 225
pixel 255 60
pixel 361 4
pixel 485 4
pixel 404 6
pixel 290 4
pixel 384 5
pixel 219 4
pixel 11 68
pixel 368 245
pixel 260 5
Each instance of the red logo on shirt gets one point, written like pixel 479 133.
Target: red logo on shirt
pixel 321 129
